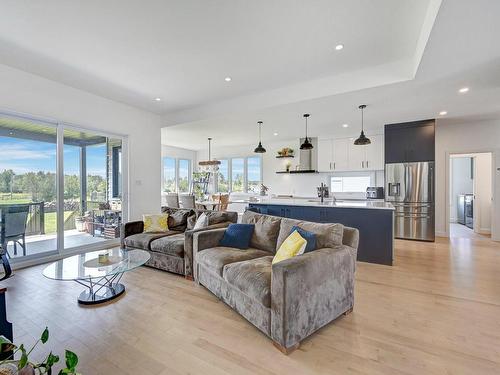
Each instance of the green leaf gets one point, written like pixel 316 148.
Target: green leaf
pixel 71 360
pixel 6 345
pixel 24 358
pixel 45 336
pixel 51 360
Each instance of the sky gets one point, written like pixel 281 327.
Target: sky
pixel 24 156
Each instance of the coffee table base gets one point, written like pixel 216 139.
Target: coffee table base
pixel 106 294
pixel 100 290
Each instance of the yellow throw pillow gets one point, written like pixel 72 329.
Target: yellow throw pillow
pixel 155 223
pixel 294 245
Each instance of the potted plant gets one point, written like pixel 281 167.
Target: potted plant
pixel 23 366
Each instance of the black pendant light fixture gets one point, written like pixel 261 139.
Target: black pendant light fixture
pixel 307 145
pixel 259 149
pixel 362 140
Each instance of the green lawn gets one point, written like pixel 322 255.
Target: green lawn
pixel 50 221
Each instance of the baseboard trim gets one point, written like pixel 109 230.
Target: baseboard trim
pixel 441 234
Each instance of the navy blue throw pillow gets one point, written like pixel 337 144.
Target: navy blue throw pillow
pixel 238 236
pixel 308 236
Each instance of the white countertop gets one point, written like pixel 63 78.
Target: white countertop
pixel 376 204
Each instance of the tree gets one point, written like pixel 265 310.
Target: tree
pixel 6 180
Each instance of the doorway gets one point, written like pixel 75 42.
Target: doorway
pixel 470 195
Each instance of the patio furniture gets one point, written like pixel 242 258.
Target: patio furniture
pixel 173 200
pixel 4 261
pixel 187 201
pixel 13 226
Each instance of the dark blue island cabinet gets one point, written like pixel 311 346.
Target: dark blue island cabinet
pixel 376 234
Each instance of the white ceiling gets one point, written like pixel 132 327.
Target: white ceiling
pixel 462 50
pixel 181 50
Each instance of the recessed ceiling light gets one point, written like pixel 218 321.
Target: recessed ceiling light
pixel 228 79
pixel 443 113
pixel 275 134
pixel 463 90
pixel 345 125
pixel 158 99
pixel 339 47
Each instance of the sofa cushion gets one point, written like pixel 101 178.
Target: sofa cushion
pixel 177 217
pixel 216 217
pixel 308 236
pixel 267 228
pixel 170 245
pixel 143 240
pixel 237 235
pixel 217 257
pixel 327 235
pixel 252 278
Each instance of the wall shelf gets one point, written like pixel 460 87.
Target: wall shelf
pixel 297 172
pixel 283 157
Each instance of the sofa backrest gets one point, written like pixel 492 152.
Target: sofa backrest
pixel 271 231
pixel 178 217
pixel 266 232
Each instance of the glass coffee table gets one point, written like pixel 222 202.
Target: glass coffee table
pixel 102 279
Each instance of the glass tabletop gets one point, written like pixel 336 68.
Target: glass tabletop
pixel 85 266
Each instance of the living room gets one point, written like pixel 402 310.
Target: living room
pixel 292 160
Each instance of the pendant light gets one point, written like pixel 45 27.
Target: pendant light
pixel 209 163
pixel 307 145
pixel 362 140
pixel 259 149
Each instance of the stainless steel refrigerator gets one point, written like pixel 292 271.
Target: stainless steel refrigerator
pixel 410 188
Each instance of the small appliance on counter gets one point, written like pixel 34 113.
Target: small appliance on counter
pixel 375 192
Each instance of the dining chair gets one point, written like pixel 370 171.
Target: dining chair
pixel 173 200
pixel 187 201
pixel 14 227
pixel 222 201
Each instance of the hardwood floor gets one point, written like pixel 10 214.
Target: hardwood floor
pixel 436 311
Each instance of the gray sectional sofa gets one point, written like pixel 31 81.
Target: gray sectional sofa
pixel 289 300
pixel 173 250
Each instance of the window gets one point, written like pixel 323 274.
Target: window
pixel 223 177
pixel 253 174
pixel 169 175
pixel 183 175
pixel 241 175
pixel 176 175
pixel 237 175
pixel 349 184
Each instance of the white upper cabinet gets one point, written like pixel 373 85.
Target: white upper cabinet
pixel 340 160
pixel 375 153
pixel 325 155
pixel 342 155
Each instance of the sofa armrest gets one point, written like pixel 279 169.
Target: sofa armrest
pixel 309 291
pixel 188 245
pixel 130 228
pixel 202 240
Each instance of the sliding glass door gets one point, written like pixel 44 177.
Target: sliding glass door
pixel 28 190
pixel 61 188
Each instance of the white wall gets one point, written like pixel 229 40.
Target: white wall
pixel 37 96
pixel 459 138
pixel 288 184
pixel 460 182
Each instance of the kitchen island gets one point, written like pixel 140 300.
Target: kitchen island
pixel 373 219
